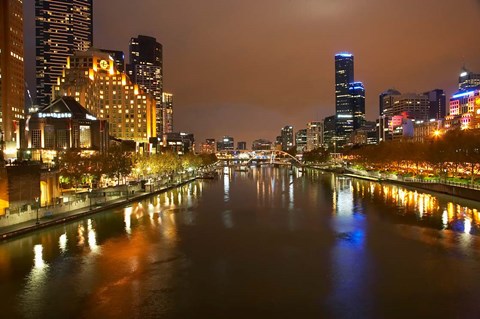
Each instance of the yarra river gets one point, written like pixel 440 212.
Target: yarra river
pixel 268 243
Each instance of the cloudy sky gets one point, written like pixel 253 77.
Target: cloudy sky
pixel 246 68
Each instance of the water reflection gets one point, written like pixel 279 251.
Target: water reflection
pixel 92 238
pixel 62 243
pixel 35 285
pixel 425 207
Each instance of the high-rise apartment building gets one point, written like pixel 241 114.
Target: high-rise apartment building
pixel 92 79
pixel 12 87
pixel 62 27
pixel 415 106
pixel 287 138
pixel 301 140
pixel 145 68
pixel 314 135
pixel 167 109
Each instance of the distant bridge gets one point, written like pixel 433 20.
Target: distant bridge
pixel 247 157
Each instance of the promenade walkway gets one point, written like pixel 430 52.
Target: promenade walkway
pixel 8 232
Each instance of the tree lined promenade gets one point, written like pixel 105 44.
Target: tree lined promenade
pixel 453 156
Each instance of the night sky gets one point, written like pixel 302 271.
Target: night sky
pixel 246 68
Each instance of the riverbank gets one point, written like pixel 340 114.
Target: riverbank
pixel 451 190
pixel 31 226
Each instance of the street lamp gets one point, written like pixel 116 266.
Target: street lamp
pixel 37 201
pixel 126 184
pixel 90 197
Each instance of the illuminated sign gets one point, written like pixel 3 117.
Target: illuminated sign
pixel 104 64
pixel 55 115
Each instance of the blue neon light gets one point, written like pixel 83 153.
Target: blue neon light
pixel 344 55
pixel 456 96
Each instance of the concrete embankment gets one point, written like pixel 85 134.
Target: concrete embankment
pixel 452 190
pixel 31 226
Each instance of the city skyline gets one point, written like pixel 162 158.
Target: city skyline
pixel 264 67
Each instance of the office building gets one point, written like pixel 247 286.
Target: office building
pixel 468 81
pixel 62 27
pixel 315 131
pixel 167 109
pixel 12 87
pixel 357 96
pixel 349 99
pixel 438 104
pixel 92 79
pixel 227 143
pixel 386 101
pixel 415 106
pixel 145 68
pixel 344 76
pixel 329 131
pixel 287 138
pixel 301 140
pixel 179 142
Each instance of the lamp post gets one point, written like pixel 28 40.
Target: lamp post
pixel 126 184
pixel 90 197
pixel 37 202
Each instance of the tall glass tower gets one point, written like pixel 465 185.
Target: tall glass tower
pixel 145 68
pixel 357 95
pixel 61 28
pixel 344 76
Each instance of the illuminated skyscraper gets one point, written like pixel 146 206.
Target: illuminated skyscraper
pixel 288 140
pixel 145 68
pixel 349 99
pixel 167 108
pixel 62 27
pixel 344 76
pixel 12 81
pixel 357 96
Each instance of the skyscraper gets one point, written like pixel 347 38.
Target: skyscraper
pixel 357 96
pixel 344 76
pixel 468 80
pixel 315 132
pixel 12 81
pixel 145 68
pixel 167 108
pixel 62 27
pixel 438 104
pixel 287 138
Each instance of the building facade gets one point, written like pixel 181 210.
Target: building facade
pixel 227 143
pixel 329 131
pixel 262 145
pixel 415 106
pixel 466 107
pixel 61 28
pixel 287 138
pixel 344 76
pixel 118 57
pixel 12 87
pixel 315 134
pixel 63 125
pixel 92 79
pixel 209 146
pixel 167 109
pixel 145 68
pixel 301 140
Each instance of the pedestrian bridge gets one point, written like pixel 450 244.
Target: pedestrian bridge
pixel 247 157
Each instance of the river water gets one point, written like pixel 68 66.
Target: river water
pixel 268 243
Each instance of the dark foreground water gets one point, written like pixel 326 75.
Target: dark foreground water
pixel 270 243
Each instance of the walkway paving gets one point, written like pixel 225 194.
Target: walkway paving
pixel 26 227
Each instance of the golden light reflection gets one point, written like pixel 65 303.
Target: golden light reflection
pixel 62 243
pixel 453 216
